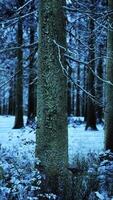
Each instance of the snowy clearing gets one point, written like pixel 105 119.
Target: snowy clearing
pixel 80 141
pixel 21 139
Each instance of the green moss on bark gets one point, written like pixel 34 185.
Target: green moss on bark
pixel 52 138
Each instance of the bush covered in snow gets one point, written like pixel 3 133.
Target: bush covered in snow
pixel 84 176
pixel 105 175
pixel 20 178
pixel 92 177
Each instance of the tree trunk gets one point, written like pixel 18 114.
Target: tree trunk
pixel 52 137
pixel 32 73
pixel 83 100
pixel 11 103
pixel 91 113
pixel 99 87
pixel 78 92
pixel 69 98
pixel 19 75
pixel 69 95
pixel 109 89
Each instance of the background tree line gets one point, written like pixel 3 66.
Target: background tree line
pixel 86 31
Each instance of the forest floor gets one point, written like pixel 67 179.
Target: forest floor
pixel 80 141
pixel 17 159
pixel 23 140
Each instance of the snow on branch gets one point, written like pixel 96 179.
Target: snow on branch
pixel 19 47
pixel 65 71
pixel 87 64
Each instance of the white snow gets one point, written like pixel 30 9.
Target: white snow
pixel 21 139
pixel 82 142
pixel 79 140
pixel 100 197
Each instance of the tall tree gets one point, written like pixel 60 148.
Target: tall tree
pixel 32 71
pixel 99 85
pixel 83 94
pixel 91 112
pixel 11 107
pixel 52 137
pixel 19 73
pixel 69 95
pixel 77 113
pixel 109 88
pixel 78 92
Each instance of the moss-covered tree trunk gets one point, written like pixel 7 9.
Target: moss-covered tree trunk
pixel 109 89
pixel 52 137
pixel 19 74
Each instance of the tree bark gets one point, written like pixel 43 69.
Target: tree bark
pixel 99 87
pixel 91 112
pixel 52 137
pixel 78 92
pixel 32 73
pixel 109 88
pixel 19 76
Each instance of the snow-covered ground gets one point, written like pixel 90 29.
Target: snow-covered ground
pixel 17 161
pixel 80 141
pixel 21 139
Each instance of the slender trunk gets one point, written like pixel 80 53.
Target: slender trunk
pixel 69 98
pixel 11 105
pixel 91 112
pixel 78 92
pixel 69 95
pixel 32 73
pixel 83 103
pixel 99 88
pixel 19 76
pixel 109 88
